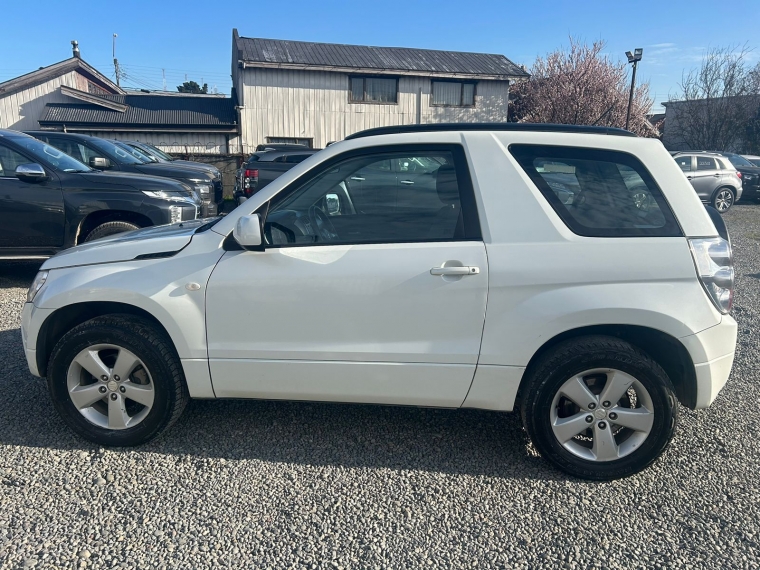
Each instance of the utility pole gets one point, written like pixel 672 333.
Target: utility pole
pixel 116 62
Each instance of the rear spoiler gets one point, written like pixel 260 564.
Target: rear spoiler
pixel 718 222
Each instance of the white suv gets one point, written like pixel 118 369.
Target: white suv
pixel 568 272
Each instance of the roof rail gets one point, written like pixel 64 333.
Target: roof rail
pixel 529 127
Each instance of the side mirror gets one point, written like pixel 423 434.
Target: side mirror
pixel 30 172
pixel 100 163
pixel 247 231
pixel 332 204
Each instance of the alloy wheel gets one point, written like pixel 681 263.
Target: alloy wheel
pixel 602 414
pixel 724 200
pixel 110 386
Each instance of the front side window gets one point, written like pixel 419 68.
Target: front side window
pixel 598 193
pixel 684 163
pixel 453 94
pixel 374 90
pixel 9 161
pixel 50 155
pixel 371 199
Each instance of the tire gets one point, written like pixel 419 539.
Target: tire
pixel 723 199
pixel 157 382
pixel 544 406
pixel 110 228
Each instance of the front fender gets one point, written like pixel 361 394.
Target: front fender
pixel 158 287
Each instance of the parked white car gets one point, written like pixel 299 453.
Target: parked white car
pixel 568 272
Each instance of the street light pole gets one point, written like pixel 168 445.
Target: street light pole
pixel 633 58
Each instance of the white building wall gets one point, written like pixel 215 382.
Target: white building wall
pixel 21 110
pixel 315 104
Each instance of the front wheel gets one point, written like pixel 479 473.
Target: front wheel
pixel 599 408
pixel 116 380
pixel 111 228
pixel 723 199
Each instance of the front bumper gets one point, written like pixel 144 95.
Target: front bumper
pixel 712 352
pixel 31 320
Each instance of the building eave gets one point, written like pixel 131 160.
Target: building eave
pixel 93 99
pixel 373 71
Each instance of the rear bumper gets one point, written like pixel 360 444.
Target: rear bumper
pixel 712 352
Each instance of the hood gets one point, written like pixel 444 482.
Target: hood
pixel 127 246
pixel 174 171
pixel 136 181
pixel 197 165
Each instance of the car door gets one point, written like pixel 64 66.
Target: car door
pixel 706 178
pixel 31 213
pixel 385 305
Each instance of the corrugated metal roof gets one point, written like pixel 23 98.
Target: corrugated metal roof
pixel 287 52
pixel 146 110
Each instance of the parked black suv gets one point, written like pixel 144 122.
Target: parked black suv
pixel 263 167
pixel 105 155
pixel 50 201
pixel 750 175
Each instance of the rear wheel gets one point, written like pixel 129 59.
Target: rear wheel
pixel 117 380
pixel 111 228
pixel 599 408
pixel 723 199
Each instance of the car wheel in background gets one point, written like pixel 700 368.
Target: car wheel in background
pixel 598 408
pixel 117 380
pixel 111 228
pixel 723 199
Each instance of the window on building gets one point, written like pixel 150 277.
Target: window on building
pixel 374 90
pixel 453 94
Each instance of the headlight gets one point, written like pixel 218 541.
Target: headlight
pixel 203 188
pixel 37 284
pixel 169 195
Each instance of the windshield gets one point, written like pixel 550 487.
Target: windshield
pixel 114 152
pixel 159 153
pixel 51 156
pixel 738 161
pixel 139 155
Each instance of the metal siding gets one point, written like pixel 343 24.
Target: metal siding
pixel 22 109
pixel 184 143
pixel 314 104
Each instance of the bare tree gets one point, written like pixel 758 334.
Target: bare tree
pixel 580 86
pixel 715 103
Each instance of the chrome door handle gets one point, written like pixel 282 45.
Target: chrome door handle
pixel 407 182
pixel 466 270
pixel 358 178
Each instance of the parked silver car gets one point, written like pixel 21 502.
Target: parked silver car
pixel 713 177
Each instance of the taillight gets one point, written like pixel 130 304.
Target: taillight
pixel 250 179
pixel 739 174
pixel 715 267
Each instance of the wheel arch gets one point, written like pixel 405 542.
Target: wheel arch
pixel 66 318
pixel 665 349
pixel 98 217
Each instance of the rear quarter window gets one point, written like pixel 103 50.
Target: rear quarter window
pixel 598 193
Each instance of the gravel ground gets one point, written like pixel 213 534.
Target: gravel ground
pixel 287 485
